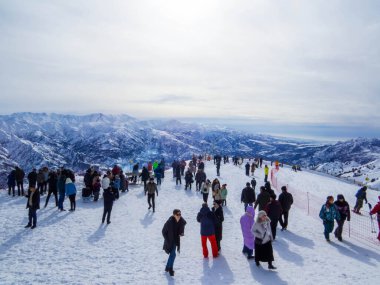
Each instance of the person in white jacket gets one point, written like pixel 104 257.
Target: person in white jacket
pixel 263 240
pixel 205 190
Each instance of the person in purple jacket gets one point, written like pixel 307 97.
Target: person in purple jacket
pixel 246 222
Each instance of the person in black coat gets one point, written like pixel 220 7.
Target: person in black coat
pixel 33 204
pixel 188 179
pixel 32 178
pixel 248 196
pixel 200 178
pixel 286 201
pixel 144 175
pixel 269 188
pixel 53 180
pixel 218 166
pixel 344 211
pixel 20 174
pixel 274 210
pixel 247 168
pixel 11 181
pixel 177 174
pixel 219 218
pixel 262 199
pixel 253 183
pixel 173 229
pixel 108 197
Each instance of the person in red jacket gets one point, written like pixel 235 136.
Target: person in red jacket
pixel 376 210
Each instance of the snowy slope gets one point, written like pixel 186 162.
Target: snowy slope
pixel 74 248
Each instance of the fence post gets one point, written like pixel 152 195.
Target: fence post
pixel 308 206
pixel 349 229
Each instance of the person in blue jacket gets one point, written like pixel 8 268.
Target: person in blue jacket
pixel 207 220
pixel 329 212
pixel 71 192
pixel 361 196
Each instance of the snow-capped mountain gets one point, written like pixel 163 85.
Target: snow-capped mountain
pixel 53 140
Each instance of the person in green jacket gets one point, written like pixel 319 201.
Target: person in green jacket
pixel 329 212
pixel 223 194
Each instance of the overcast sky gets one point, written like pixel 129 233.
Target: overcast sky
pixel 286 65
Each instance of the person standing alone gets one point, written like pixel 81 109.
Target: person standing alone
pixel 173 229
pixel 33 205
pixel 151 189
pixel 286 201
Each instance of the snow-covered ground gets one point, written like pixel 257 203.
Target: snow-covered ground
pixel 367 174
pixel 74 248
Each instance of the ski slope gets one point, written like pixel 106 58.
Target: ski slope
pixel 75 248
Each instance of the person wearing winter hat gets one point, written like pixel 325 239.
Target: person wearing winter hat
pixel 246 223
pixel 261 229
pixel 328 214
pixel 344 211
pixel 376 210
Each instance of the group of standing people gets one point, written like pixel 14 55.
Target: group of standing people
pixel 59 182
pixel 258 234
pixel 339 211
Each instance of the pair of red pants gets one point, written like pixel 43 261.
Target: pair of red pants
pixel 214 247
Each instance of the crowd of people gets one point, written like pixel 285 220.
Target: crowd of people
pixel 258 231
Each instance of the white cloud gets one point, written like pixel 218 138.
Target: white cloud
pixel 292 61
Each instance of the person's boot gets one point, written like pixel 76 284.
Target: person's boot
pixel 171 271
pixel 28 226
pixel 270 266
pixel 166 269
pixel 32 227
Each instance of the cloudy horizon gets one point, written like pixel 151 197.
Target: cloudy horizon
pixel 294 68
